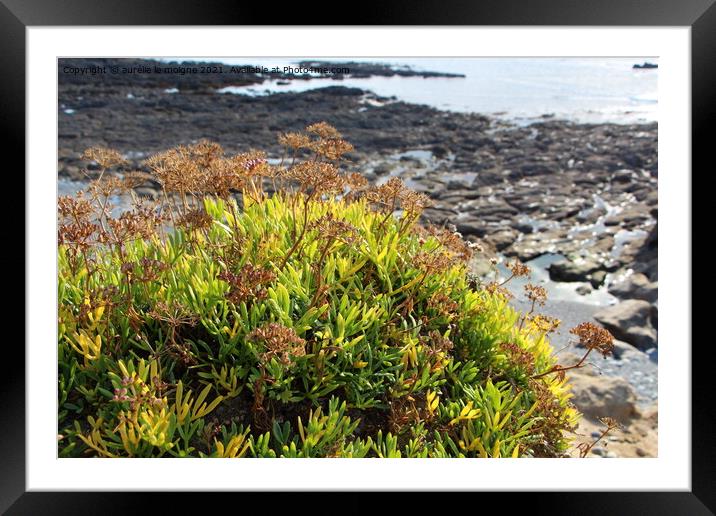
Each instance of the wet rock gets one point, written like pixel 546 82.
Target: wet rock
pixel 383 168
pixel 623 176
pixel 583 290
pixel 597 278
pixel 502 239
pixel 635 286
pixel 628 218
pixel 590 216
pixel 629 321
pixel 523 227
pixel 573 270
pixel 471 227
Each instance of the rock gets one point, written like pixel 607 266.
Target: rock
pixel 502 239
pixel 635 286
pixel 597 278
pixel 599 451
pixel 629 321
pixel 604 244
pixel 471 227
pixel 590 216
pixel 578 270
pixel 625 351
pixel 629 217
pixel 583 290
pixel 604 396
pixel 523 227
pixel 623 176
pixel 382 169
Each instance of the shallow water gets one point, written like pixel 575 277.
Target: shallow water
pixel 556 290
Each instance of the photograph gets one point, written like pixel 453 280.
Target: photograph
pixel 357 257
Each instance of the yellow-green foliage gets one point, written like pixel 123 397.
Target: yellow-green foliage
pixel 309 323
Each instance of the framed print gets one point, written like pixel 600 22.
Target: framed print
pixel 368 254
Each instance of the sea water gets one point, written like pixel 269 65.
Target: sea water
pixel 522 90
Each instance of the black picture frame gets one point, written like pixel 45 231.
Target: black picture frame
pixel 17 15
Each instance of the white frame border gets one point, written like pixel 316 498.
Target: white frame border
pixel 670 471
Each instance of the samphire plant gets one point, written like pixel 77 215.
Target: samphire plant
pixel 290 310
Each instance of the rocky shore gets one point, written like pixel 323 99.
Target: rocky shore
pixel 576 201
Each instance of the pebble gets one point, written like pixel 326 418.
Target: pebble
pixel 599 451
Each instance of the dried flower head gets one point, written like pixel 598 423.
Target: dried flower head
pixel 329 227
pixel 151 269
pixel 610 423
pixel 249 283
pixel 414 202
pixel 433 262
pixel 518 269
pixel 323 130
pixel 496 289
pixel 536 294
pixel 518 356
pixel 442 304
pixel 107 187
pixel 252 163
pixel 317 178
pixel 135 179
pixel 190 168
pixel 594 337
pixel 294 141
pixel 387 194
pixel 78 235
pixel 76 209
pixel 195 219
pixel 356 181
pixel 452 241
pixel 103 156
pixel 279 341
pixel 137 223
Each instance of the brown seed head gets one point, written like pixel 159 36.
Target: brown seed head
pixel 103 156
pixel 594 337
pixel 279 341
pixel 536 293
